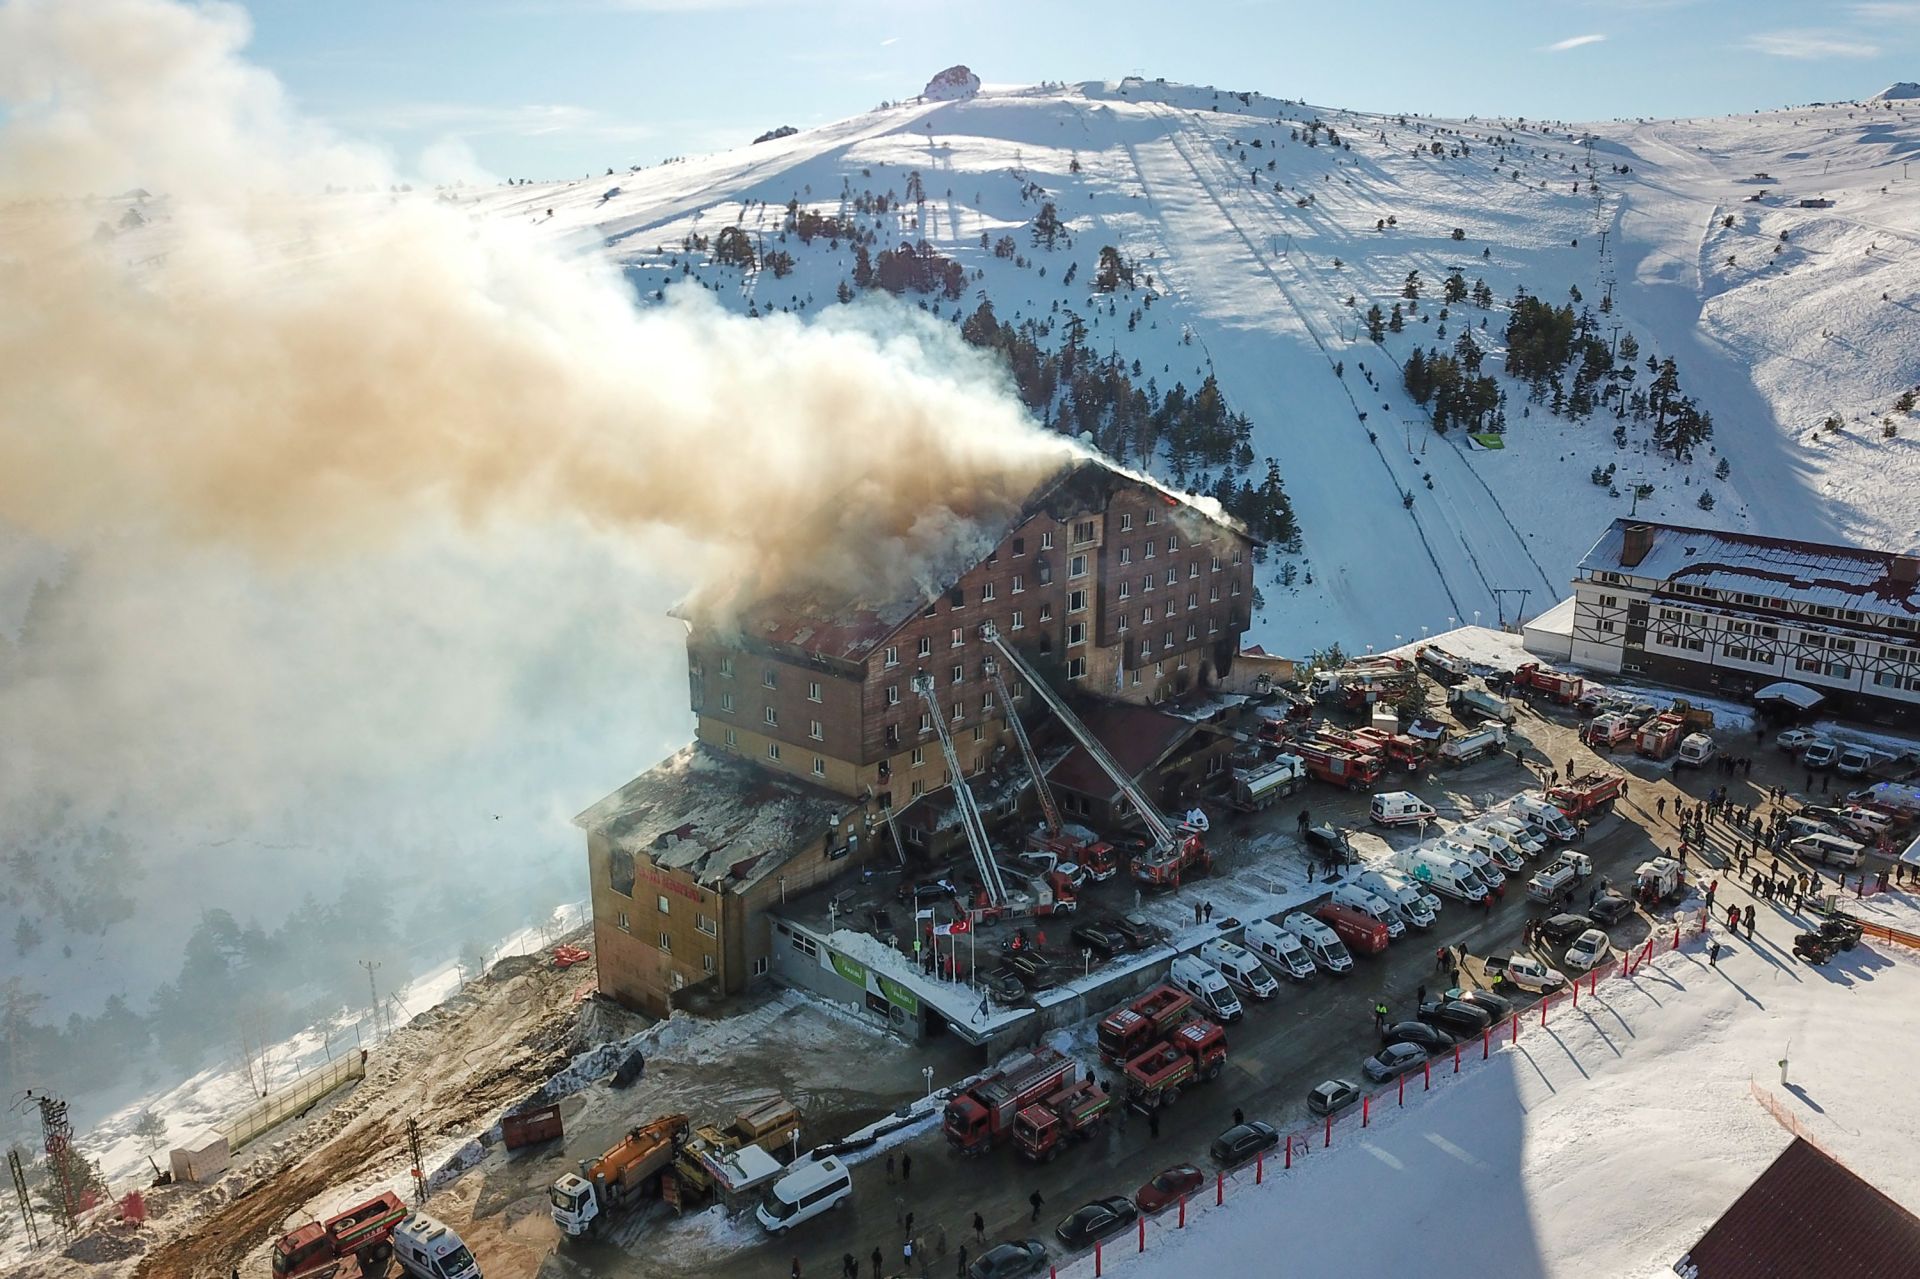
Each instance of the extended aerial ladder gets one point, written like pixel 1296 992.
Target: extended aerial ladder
pixel 970 820
pixel 1169 842
pixel 1048 806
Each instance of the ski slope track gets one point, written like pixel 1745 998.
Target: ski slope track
pixel 1259 262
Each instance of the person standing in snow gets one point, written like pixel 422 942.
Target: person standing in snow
pixel 1713 954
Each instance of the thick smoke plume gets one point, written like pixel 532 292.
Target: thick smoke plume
pixel 263 364
pixel 355 515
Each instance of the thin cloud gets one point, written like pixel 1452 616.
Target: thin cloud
pixel 1886 11
pixel 889 40
pixel 1572 42
pixel 1810 45
pixel 527 120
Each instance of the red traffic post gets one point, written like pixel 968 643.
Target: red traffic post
pixel 1096 1257
pixel 1143 1232
pixel 1219 1188
pixel 1426 1075
pixel 1260 1168
pixel 1593 983
pixel 1183 1206
pixel 1676 938
pixel 1329 1140
pixel 1544 1001
pixel 1516 1028
pixel 1486 1042
pixel 1403 1090
pixel 1456 1057
pixel 1183 1203
pixel 1366 1107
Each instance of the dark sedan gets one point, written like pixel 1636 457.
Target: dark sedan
pixel 1496 1006
pixel 1167 1187
pixel 1096 1220
pixel 1431 1038
pixel 1242 1142
pixel 1456 1017
pixel 1561 929
pixel 1138 932
pixel 1610 908
pixel 1101 937
pixel 1009 1260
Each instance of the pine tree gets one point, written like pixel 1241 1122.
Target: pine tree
pixel 1411 288
pixel 1047 227
pixel 1396 321
pixel 1629 348
pixel 1376 323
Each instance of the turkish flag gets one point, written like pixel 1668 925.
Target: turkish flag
pixel 960 926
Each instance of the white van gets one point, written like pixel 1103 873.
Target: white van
pixel 1543 817
pixel 1695 750
pixel 1400 808
pixel 1415 907
pixel 1530 842
pixel 1204 982
pixel 1279 949
pixel 1473 855
pixel 1821 753
pixel 1444 872
pixel 1372 905
pixel 807 1191
pixel 1829 850
pixel 1855 760
pixel 1321 942
pixel 428 1249
pixel 1240 968
pixel 1498 849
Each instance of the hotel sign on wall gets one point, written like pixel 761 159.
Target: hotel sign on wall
pixel 852 970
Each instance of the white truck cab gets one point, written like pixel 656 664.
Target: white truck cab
pixel 1372 905
pixel 1536 812
pixel 1516 832
pixel 1695 750
pixel 1415 907
pixel 1206 984
pixel 1473 855
pixel 428 1249
pixel 1279 949
pixel 1444 872
pixel 1400 808
pixel 1320 941
pixel 1240 968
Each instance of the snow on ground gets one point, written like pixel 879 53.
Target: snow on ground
pixel 1606 1143
pixel 1254 252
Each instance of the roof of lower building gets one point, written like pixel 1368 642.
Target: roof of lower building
pixel 1138 737
pixel 724 821
pixel 848 626
pixel 1808 1214
pixel 1839 577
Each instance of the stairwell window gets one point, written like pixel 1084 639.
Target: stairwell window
pixel 1077 602
pixel 1076 633
pixel 706 962
pixel 919 756
pixel 760 966
pixel 666 943
pixel 1077 668
pixel 1077 566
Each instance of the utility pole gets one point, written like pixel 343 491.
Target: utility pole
pixel 373 994
pixel 414 1149
pixel 56 1131
pixel 20 1194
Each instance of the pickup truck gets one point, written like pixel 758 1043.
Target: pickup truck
pixel 1566 870
pixel 1525 972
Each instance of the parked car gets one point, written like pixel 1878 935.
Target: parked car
pixel 1096 1220
pixel 1033 972
pixel 1392 1061
pixel 1795 740
pixel 1009 1260
pixel 1588 949
pixel 1243 1141
pixel 1821 753
pixel 1330 842
pixel 1005 985
pixel 1866 823
pixel 1495 1006
pixel 1100 937
pixel 1332 1096
pixel 1138 932
pixel 1167 1186
pixel 1561 929
pixel 1457 1017
pixel 1431 1038
pixel 925 892
pixel 1610 908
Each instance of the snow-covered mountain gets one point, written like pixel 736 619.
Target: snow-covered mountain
pixel 1772 257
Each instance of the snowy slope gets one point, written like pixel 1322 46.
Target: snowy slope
pixel 1253 286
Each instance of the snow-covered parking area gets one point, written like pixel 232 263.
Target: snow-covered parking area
pixel 1605 1143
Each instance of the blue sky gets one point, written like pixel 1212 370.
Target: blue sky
pixel 548 88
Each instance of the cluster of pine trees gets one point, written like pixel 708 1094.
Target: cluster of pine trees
pixel 1453 386
pixel 917 268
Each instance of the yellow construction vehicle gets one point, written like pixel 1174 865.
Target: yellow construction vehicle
pixel 733 1160
pixel 621 1177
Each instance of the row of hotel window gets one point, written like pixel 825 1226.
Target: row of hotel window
pixel 1746 600
pixel 707 962
pixel 1829 656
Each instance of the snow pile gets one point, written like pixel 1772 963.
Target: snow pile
pixel 597 1063
pixel 952 85
pixel 1607 1142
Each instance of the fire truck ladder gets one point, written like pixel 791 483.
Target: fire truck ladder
pixel 1164 837
pixel 1048 805
pixel 963 798
pixel 899 849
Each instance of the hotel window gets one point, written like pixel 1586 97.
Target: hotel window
pixel 979 735
pixel 665 906
pixel 919 756
pixel 1146 582
pixel 1153 516
pixel 760 966
pixel 1120 622
pixel 916 789
pixel 958 637
pixel 1046 612
pixel 1236 587
pixel 959 673
pixel 1193 631
pixel 666 943
pixel 1077 668
pixel 705 924
pixel 1215 567
pixel 1146 617
pixel 726 668
pixel 1126 555
pixel 1077 566
pixel 1126 523
pixel 813 690
pixel 1019 622
pixel 726 700
pixel 1146 649
pixel 1173 544
pixel 926 721
pixel 926 646
pixel 1236 558
pixel 819 766
pixel 1077 602
pixel 815 731
pixel 773 750
pixel 1193 569
pixel 1076 633
pixel 1171 608
pixel 1126 590
pixel 770 678
pixel 959 711
pixel 1019 546
pixel 706 962
pixel 1213 593
pixel 986 704
pixel 1173 576
pixel 986 593
pixel 893 735
pixel 1082 532
pixel 626 924
pixel 1213 627
pixel 1149 550
pixel 1193 599
pixel 732 740
pixel 771 715
pixel 893 656
pixel 1609 601
pixel 1019 584
pixel 893 694
pixel 1166 641
pixel 1046 540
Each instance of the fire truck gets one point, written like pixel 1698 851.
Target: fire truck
pixel 1587 794
pixel 1170 852
pixel 1124 1033
pixel 984 1113
pixel 1364 681
pixel 360 1238
pixel 1557 685
pixel 1195 1051
pixel 1042 1130
pixel 1338 767
pixel 1659 735
pixel 1402 751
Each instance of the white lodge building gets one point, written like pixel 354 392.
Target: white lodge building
pixel 1728 613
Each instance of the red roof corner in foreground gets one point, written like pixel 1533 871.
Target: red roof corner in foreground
pixel 1807 1215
